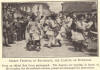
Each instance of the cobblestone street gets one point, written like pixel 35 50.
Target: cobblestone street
pixel 19 50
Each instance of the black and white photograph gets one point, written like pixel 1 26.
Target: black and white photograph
pixel 50 29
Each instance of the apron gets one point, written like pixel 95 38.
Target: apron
pixel 32 30
pixel 76 35
pixel 61 32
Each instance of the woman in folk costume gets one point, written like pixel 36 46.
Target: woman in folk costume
pixel 62 34
pixel 68 21
pixel 45 28
pixel 78 36
pixel 32 32
pixel 50 31
pixel 29 29
pixel 42 21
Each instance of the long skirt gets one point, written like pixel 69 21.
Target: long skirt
pixel 59 37
pixel 77 36
pixel 51 37
pixel 49 32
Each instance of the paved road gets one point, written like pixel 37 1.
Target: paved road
pixel 18 50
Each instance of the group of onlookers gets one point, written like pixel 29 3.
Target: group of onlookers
pixel 13 29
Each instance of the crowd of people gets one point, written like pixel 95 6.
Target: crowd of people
pixel 13 28
pixel 76 28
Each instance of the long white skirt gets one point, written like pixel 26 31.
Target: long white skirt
pixel 59 37
pixel 35 36
pixel 76 36
pixel 49 32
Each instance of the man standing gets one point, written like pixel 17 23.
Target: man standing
pixel 6 28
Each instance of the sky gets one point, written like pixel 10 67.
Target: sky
pixel 55 6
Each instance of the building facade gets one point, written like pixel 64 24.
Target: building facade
pixel 19 9
pixel 78 7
